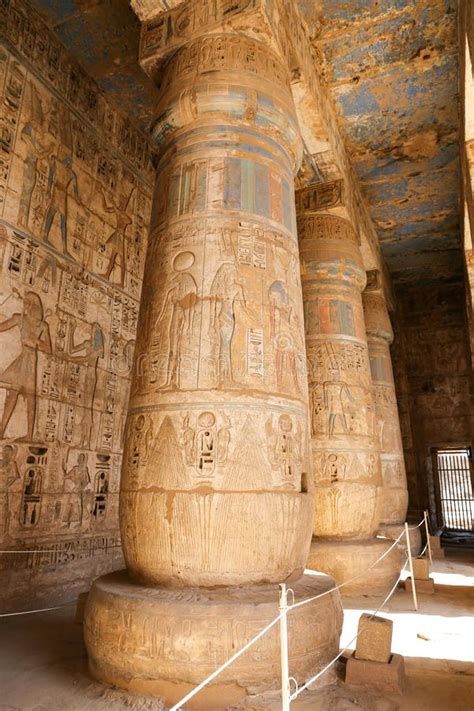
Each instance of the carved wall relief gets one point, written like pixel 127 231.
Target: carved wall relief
pixel 75 196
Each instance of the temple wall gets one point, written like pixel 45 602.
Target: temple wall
pixel 434 380
pixel 75 197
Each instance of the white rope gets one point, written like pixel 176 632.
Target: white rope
pixel 346 582
pixel 44 609
pixel 262 632
pixel 422 552
pixel 412 528
pixel 225 665
pixel 349 644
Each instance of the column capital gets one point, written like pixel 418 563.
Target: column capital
pixel 329 244
pixel 377 319
pixel 147 9
pixel 164 32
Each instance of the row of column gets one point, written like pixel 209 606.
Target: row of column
pixel 224 476
pixel 356 445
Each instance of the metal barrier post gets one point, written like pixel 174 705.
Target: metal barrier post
pixel 285 683
pixel 427 529
pixel 413 588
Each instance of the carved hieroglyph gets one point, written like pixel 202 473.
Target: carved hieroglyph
pixel 75 199
pixel 346 460
pixel 216 487
pixel 379 337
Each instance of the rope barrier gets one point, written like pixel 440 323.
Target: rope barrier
pixel 262 632
pixel 412 528
pixel 230 661
pixel 422 552
pixel 346 582
pixel 44 609
pixel 349 644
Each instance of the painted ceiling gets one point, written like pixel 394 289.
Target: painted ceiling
pixel 392 66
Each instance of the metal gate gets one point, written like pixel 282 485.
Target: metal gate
pixel 455 489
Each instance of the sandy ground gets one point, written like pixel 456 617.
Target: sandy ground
pixel 43 664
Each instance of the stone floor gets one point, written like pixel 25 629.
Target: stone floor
pixel 43 662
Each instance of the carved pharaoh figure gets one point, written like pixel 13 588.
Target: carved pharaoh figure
pixel 19 378
pixel 117 241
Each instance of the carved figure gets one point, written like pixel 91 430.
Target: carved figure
pixel 178 311
pixel 188 440
pixel 334 394
pixel 20 376
pixel 282 318
pixel 227 288
pixel 11 477
pixel 35 150
pixel 92 349
pixel 117 241
pixel 60 178
pixel 76 482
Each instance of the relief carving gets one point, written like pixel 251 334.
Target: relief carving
pixel 75 194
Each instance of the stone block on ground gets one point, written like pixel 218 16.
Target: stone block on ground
pixel 388 678
pixel 421 568
pixel 437 551
pixel 374 641
pixel 422 586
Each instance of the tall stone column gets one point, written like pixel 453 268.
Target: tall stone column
pixel 215 489
pixel 379 338
pixel 346 459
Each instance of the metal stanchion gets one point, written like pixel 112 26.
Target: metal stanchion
pixel 285 683
pixel 413 588
pixel 427 529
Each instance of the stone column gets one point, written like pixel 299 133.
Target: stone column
pixel 346 460
pixel 215 489
pixel 379 338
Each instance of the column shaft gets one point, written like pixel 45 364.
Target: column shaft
pixel 346 460
pixel 217 426
pixel 379 338
pixel 215 488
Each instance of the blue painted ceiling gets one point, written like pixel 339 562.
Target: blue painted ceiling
pixel 392 67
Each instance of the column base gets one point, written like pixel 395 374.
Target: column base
pixel 393 530
pixel 163 642
pixel 344 560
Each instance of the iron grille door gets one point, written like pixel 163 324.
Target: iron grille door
pixel 455 489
